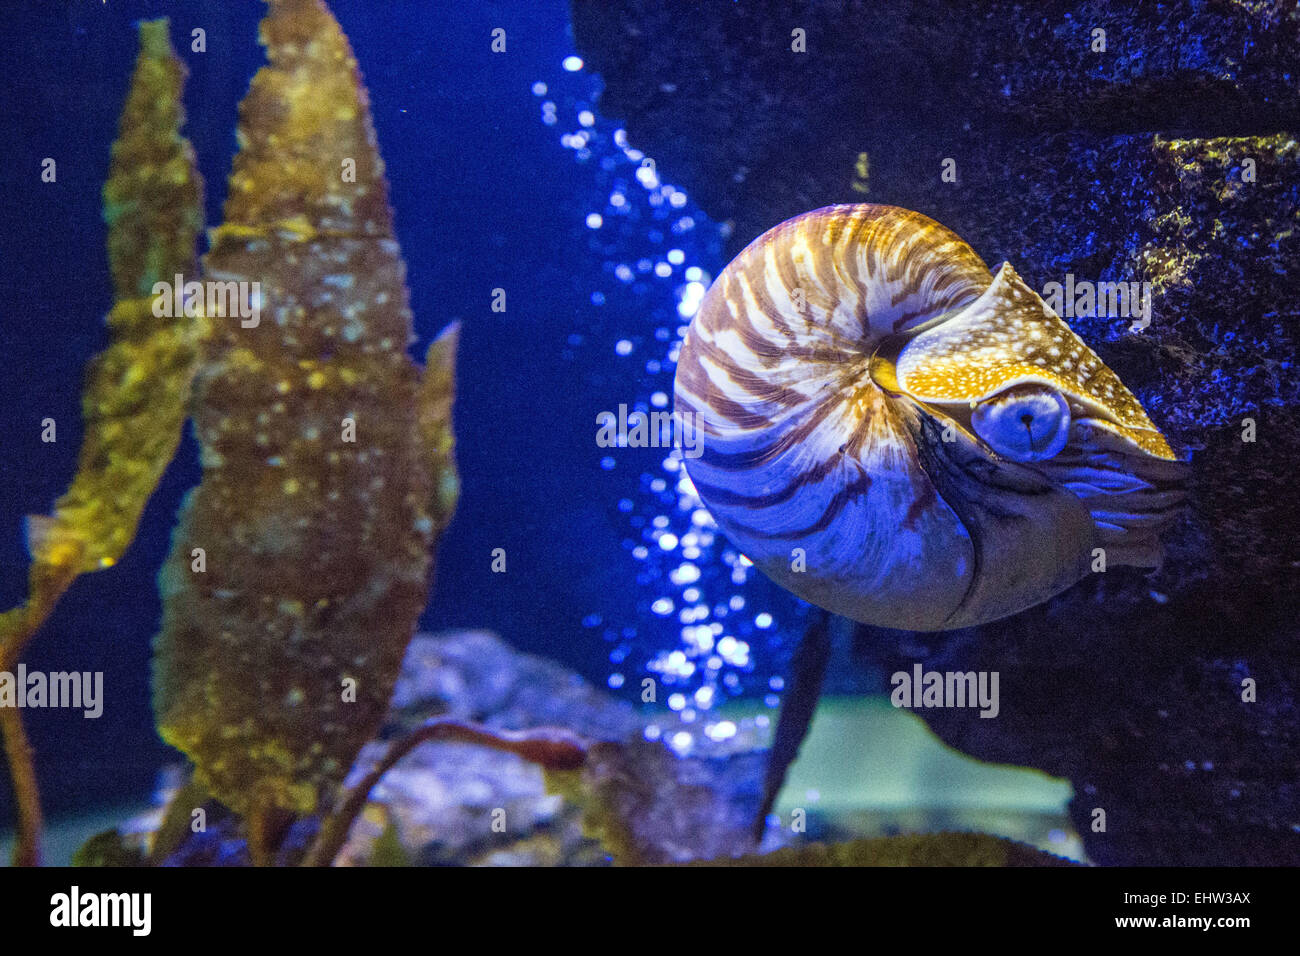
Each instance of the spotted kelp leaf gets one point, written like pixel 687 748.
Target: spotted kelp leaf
pixel 134 398
pixel 302 559
pixel 437 393
pixel 133 403
pixel 153 201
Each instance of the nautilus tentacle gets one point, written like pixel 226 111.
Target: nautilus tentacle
pixel 895 434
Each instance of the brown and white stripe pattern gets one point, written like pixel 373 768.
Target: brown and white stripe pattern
pixel 801 370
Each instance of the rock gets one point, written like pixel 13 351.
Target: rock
pixel 926 849
pixel 759 133
pixel 456 803
pixel 477 676
pixel 1170 158
pixel 633 801
pixel 452 803
pixel 652 807
pixel 464 804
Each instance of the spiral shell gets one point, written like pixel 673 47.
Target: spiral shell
pixel 896 435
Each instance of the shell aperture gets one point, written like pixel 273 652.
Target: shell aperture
pixel 894 434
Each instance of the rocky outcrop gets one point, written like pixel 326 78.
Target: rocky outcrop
pixel 1167 156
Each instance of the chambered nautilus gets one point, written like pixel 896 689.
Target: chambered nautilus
pixel 899 436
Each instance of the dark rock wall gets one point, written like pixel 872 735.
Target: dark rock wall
pixel 1169 158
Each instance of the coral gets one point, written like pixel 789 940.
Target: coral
pixel 134 398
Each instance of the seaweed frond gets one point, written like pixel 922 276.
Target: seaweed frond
pixel 133 403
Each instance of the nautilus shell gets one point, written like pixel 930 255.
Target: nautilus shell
pixel 895 434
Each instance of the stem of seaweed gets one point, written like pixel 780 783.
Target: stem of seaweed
pixel 17 627
pixel 552 748
pixel 27 796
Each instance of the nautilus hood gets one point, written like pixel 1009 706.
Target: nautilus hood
pixel 1009 337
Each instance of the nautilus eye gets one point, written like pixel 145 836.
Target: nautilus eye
pixel 832 371
pixel 1026 423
